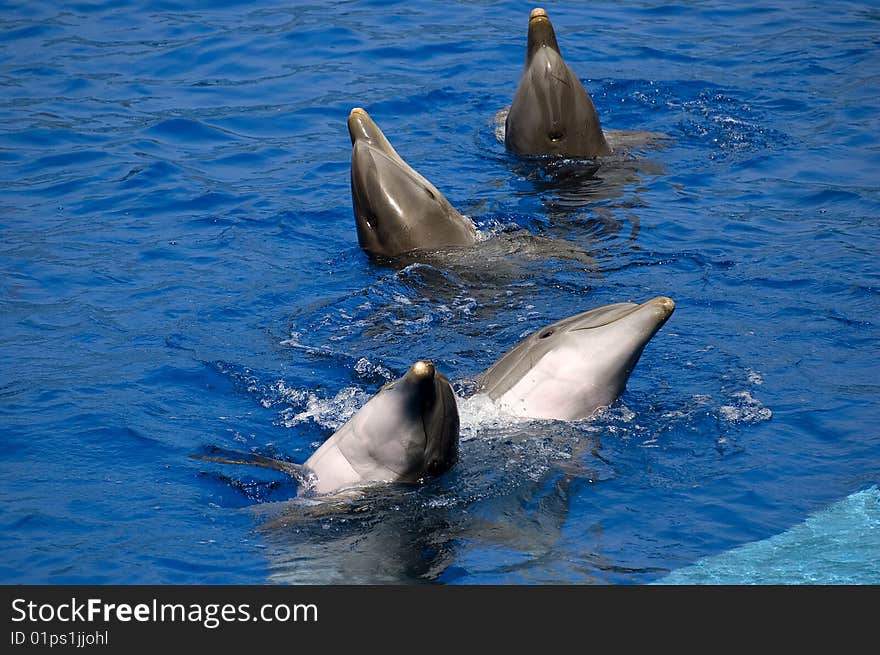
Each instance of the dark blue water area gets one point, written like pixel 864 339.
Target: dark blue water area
pixel 179 268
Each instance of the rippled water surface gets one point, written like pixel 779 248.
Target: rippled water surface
pixel 179 268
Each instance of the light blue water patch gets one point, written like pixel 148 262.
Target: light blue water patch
pixel 838 545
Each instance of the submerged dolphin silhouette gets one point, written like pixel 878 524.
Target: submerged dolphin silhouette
pixel 571 368
pixel 407 431
pixel 396 209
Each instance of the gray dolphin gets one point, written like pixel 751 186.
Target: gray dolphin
pixel 573 367
pixel 551 112
pixel 396 209
pixel 407 431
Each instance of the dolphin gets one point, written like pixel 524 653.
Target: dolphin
pixel 571 368
pixel 396 209
pixel 551 112
pixel 407 431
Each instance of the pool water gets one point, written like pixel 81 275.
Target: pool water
pixel 838 545
pixel 179 268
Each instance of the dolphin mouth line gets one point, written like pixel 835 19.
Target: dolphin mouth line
pixel 593 327
pixel 425 410
pixel 664 312
pixel 608 322
pixel 425 432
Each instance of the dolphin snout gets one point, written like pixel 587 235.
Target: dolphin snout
pixel 664 305
pixel 541 33
pixel 537 12
pixel 359 123
pixel 421 370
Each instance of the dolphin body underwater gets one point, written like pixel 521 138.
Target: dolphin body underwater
pixel 571 368
pixel 406 432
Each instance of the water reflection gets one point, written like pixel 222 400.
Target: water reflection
pixel 572 191
pixel 510 493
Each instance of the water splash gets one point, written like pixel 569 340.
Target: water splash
pixel 330 413
pixel 745 409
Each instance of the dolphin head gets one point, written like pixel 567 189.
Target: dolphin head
pixel 551 112
pixel 571 368
pixel 396 209
pixel 407 431
pixel 426 395
pixel 439 413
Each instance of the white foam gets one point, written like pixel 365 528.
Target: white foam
pixel 754 377
pixel 365 367
pixel 294 342
pixel 328 413
pixel 745 409
pixel 480 411
pixel 493 227
pixel 618 413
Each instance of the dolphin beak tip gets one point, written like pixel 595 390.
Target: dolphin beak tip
pixel 537 12
pixel 422 370
pixel 665 304
pixel 356 117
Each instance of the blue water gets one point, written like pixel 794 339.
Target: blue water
pixel 179 268
pixel 837 545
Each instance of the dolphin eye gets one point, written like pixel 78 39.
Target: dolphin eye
pixel 546 333
pixel 555 135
